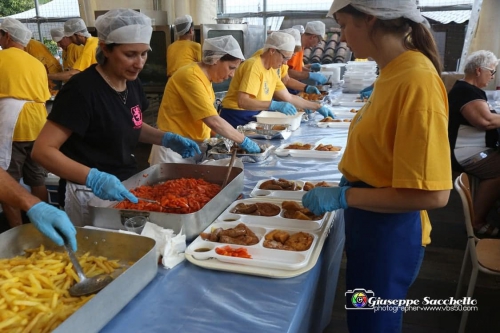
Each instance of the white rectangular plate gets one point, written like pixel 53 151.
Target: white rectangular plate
pixel 257 192
pixel 310 153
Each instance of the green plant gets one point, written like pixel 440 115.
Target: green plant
pixel 51 45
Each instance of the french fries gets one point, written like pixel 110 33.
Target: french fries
pixel 34 294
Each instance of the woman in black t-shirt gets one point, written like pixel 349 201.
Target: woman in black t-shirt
pixel 96 119
pixel 472 132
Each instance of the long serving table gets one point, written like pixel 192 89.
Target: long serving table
pixel 188 298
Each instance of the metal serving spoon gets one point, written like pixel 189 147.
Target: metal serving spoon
pixel 86 286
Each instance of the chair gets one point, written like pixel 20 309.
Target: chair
pixel 484 254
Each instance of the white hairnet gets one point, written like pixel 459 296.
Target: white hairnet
pixel 124 26
pixel 17 31
pixel 57 34
pixel 75 26
pixel 217 47
pixel 280 41
pixel 295 33
pixel 383 9
pixel 182 24
pixel 300 28
pixel 315 28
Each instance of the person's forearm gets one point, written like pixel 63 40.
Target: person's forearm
pixel 13 194
pixel 222 127
pixel 304 104
pixel 298 75
pixel 52 159
pixel 151 135
pixel 395 200
pixel 294 84
pixel 63 76
pixel 248 103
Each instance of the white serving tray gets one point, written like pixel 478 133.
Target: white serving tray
pixel 261 256
pixel 257 192
pixel 272 272
pixel 335 124
pixel 310 153
pixel 277 221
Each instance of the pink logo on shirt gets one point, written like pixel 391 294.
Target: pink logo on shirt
pixel 136 116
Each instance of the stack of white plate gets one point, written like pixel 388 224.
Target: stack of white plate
pixel 359 75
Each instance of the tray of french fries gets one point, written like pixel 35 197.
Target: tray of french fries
pixel 35 275
pixel 262 237
pixel 286 189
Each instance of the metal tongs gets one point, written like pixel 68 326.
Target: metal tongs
pixel 157 203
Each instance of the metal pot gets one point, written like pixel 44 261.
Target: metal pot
pixel 229 20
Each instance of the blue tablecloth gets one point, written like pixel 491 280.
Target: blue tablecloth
pixel 188 298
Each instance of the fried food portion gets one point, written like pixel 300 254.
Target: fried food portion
pixel 329 120
pixel 309 186
pixel 322 147
pixel 239 235
pixel 310 97
pixel 259 209
pixel 299 146
pixel 293 210
pixel 282 240
pixel 300 241
pixel 280 185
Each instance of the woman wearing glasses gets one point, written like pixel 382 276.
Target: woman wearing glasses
pixel 473 136
pixel 256 83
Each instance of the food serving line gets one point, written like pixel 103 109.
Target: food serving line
pixel 189 298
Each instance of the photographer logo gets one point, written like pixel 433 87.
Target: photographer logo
pixel 358 299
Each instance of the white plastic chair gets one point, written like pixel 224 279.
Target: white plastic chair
pixel 484 254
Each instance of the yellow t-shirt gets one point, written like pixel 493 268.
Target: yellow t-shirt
pixel 252 78
pixel 399 138
pixel 282 71
pixel 181 53
pixel 71 55
pixel 25 78
pixel 188 99
pixel 42 53
pixel 87 57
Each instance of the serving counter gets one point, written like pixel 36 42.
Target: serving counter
pixel 189 298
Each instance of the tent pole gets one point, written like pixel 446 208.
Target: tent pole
pixel 37 10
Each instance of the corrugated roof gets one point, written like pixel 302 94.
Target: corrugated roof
pixel 445 17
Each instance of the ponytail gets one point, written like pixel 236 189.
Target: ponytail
pixel 420 38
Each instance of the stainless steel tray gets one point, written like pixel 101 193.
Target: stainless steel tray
pixel 104 215
pixel 108 302
pixel 218 153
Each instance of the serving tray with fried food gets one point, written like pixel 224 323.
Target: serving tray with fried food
pixel 309 150
pixel 286 189
pixel 238 243
pixel 268 212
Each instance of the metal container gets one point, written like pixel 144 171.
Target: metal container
pixel 94 315
pixel 218 153
pixel 104 215
pixel 229 20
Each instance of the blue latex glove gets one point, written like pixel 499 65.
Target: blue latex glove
pixel 315 67
pixel 318 77
pixel 325 112
pixel 283 107
pixel 312 90
pixel 181 145
pixel 366 92
pixel 53 223
pixel 320 200
pixel 307 111
pixel 344 182
pixel 108 187
pixel 250 146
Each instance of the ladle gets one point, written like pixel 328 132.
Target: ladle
pixel 86 286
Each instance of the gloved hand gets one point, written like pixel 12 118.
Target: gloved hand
pixel 344 182
pixel 283 107
pixel 320 200
pixel 325 112
pixel 315 67
pixel 366 92
pixel 53 223
pixel 312 90
pixel 181 145
pixel 318 77
pixel 108 187
pixel 250 146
